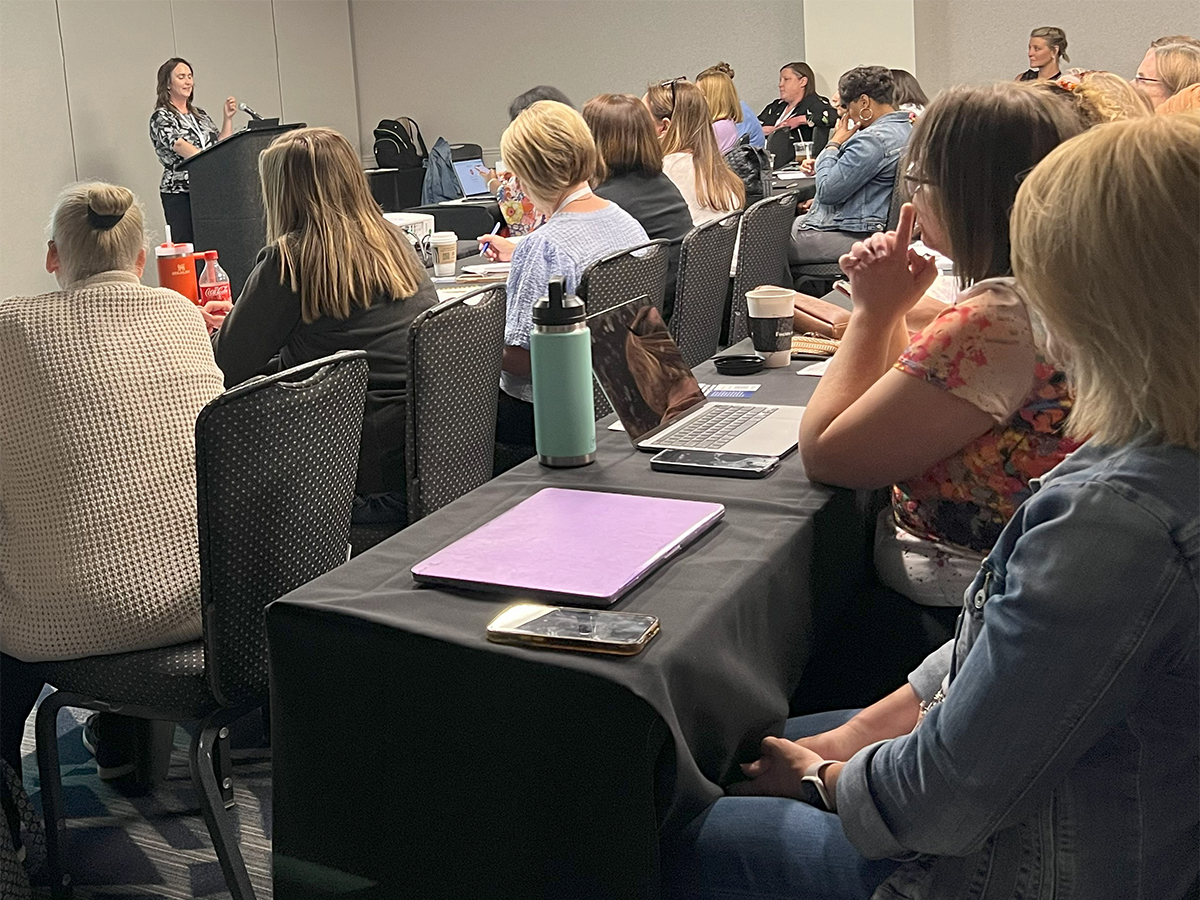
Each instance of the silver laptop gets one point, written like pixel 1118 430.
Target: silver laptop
pixel 469 178
pixel 658 399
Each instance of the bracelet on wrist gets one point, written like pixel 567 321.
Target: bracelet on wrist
pixel 815 775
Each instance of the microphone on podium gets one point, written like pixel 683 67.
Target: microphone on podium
pixel 248 111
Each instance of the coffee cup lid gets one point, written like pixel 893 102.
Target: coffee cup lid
pixel 443 237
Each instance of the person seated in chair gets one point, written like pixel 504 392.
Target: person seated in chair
pixel 335 275
pixel 1049 750
pixel 629 172
pixel 961 418
pixel 103 380
pixel 551 151
pixel 856 172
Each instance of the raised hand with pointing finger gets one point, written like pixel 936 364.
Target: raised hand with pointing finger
pixel 888 277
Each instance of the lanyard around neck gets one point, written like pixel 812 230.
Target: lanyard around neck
pixel 787 109
pixel 570 198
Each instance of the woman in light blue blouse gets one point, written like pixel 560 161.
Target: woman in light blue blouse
pixel 550 150
pixel 1050 750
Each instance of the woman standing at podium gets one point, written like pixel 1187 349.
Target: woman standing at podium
pixel 180 130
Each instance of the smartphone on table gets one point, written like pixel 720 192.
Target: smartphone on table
pixel 567 628
pixel 714 462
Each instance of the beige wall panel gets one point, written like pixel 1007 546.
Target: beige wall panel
pixel 978 41
pixel 839 36
pixel 35 142
pixel 231 45
pixel 316 64
pixel 455 66
pixel 113 50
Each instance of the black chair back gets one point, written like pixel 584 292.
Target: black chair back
pixel 621 276
pixel 276 461
pixel 703 283
pixel 454 353
pixel 762 255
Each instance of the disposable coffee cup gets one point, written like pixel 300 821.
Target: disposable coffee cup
pixel 770 323
pixel 444 245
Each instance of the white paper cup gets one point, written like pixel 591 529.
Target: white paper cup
pixel 444 246
pixel 770 323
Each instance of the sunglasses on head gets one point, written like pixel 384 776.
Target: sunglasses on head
pixel 671 84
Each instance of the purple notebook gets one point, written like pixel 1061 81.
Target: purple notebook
pixel 582 548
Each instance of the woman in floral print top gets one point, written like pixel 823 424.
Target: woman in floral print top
pixel 959 419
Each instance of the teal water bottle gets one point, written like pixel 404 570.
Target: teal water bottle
pixel 560 359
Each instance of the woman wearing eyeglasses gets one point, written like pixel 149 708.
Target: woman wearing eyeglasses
pixel 1049 751
pixel 1167 71
pixel 691 158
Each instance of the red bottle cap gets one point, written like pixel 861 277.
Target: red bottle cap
pixel 210 254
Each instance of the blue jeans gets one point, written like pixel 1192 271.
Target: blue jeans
pixel 771 847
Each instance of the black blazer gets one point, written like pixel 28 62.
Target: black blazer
pixel 820 113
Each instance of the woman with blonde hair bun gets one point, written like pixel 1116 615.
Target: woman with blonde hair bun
pixel 103 380
pixel 691 157
pixel 1058 730
pixel 335 275
pixel 1098 97
pixel 748 126
pixel 723 107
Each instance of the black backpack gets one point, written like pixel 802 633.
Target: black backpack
pixel 395 147
pixel 753 166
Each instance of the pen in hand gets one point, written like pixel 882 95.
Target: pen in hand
pixel 484 243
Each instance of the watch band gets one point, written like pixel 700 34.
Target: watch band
pixel 814 775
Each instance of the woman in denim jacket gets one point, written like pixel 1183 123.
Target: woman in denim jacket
pixel 856 172
pixel 1050 750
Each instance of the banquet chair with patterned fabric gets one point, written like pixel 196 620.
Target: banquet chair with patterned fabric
pixel 825 273
pixel 276 461
pixel 613 279
pixel 762 256
pixel 705 257
pixel 454 353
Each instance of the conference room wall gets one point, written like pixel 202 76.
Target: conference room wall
pixel 981 40
pixel 88 117
pixel 455 67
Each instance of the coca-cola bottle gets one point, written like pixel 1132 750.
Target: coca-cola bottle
pixel 214 283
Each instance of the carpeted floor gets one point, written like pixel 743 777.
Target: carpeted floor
pixel 155 845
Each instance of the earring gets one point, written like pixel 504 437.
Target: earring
pixel 863 117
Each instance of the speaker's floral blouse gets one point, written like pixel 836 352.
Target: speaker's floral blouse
pixel 168 125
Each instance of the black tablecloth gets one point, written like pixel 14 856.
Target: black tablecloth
pixel 672 723
pixel 807 186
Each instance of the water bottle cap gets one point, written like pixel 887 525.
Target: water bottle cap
pixel 210 254
pixel 558 307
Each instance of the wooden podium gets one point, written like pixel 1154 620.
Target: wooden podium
pixel 227 210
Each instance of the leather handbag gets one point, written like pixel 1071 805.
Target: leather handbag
pixel 817 316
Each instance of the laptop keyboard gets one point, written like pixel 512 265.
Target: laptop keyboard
pixel 717 425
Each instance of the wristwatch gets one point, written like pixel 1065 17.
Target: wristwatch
pixel 813 776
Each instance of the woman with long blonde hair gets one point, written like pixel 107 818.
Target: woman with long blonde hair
pixel 723 106
pixel 691 157
pixel 334 276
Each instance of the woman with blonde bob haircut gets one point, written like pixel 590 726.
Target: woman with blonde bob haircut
pixel 1058 730
pixel 551 151
pixel 335 275
pixel 103 380
pixel 691 157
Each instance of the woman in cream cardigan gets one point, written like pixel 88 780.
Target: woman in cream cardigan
pixel 103 381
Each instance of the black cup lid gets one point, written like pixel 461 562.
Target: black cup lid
pixel 558 307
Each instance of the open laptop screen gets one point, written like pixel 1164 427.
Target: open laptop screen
pixel 472 182
pixel 640 367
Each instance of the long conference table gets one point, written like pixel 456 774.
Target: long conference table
pixel 413 758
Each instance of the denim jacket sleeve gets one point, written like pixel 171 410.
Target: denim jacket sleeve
pixel 841 172
pixel 1080 618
